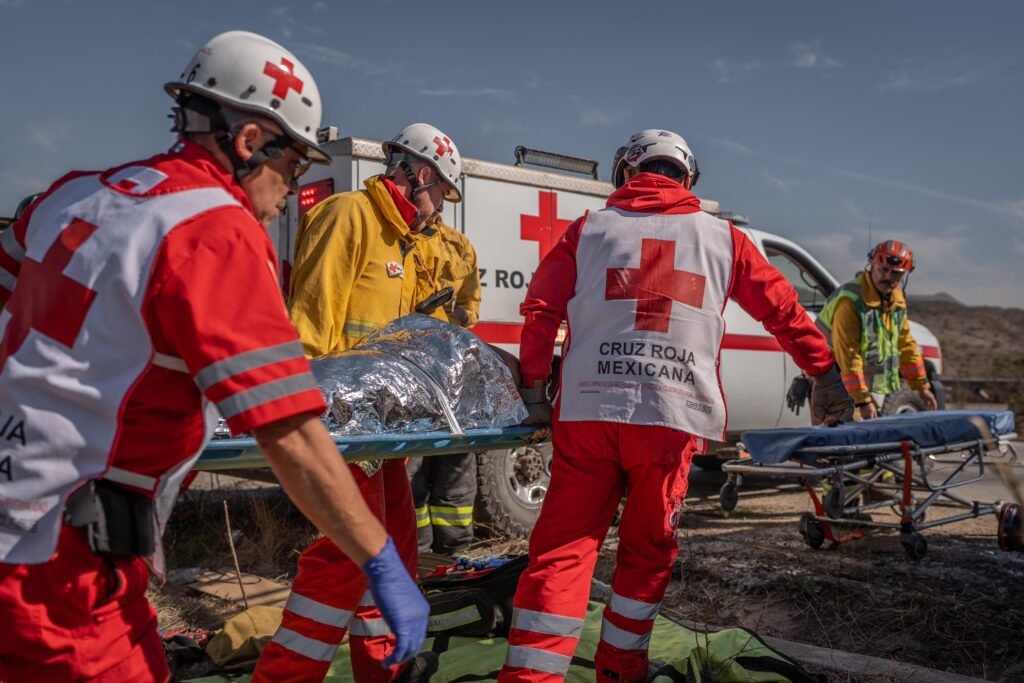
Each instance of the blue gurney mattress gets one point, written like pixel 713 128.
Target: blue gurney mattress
pixel 242 452
pixel 929 429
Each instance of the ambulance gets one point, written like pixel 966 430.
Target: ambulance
pixel 513 214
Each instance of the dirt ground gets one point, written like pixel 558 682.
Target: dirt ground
pixel 960 609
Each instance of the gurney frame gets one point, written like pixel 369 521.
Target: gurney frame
pixel 859 482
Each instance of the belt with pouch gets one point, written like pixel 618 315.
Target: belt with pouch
pixel 117 521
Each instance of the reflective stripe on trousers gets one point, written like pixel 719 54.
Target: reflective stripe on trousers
pixel 441 515
pixel 635 611
pixel 523 657
pixel 314 611
pixel 422 517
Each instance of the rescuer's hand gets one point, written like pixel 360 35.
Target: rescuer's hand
pixel 868 411
pixel 930 403
pixel 538 408
pixel 400 602
pixel 829 397
pixel 799 390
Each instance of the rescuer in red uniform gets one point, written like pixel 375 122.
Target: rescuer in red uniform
pixel 139 302
pixel 642 284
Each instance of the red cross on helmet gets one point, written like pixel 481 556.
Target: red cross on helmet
pixel 652 144
pixel 428 143
pixel 894 254
pixel 251 73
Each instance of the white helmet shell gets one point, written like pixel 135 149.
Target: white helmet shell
pixel 426 142
pixel 254 74
pixel 654 143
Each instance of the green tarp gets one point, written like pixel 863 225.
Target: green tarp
pixel 734 655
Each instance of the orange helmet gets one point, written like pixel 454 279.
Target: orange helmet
pixel 894 254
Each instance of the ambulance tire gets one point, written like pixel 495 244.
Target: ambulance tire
pixel 510 489
pixel 903 401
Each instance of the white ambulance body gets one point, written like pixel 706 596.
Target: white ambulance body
pixel 513 215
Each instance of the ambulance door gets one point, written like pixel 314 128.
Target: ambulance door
pixel 812 284
pixel 752 369
pixel 512 227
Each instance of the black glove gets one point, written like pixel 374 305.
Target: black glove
pixel 829 397
pixel 538 407
pixel 799 390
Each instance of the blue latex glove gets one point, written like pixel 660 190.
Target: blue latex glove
pixel 400 602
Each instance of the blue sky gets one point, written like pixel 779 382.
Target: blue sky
pixel 812 118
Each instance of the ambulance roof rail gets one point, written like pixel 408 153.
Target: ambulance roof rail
pixel 738 219
pixel 563 162
pixel 361 148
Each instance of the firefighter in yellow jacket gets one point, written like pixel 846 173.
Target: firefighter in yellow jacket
pixel 360 263
pixel 866 323
pixel 444 487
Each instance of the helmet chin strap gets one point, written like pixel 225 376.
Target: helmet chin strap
pixel 200 115
pixel 404 164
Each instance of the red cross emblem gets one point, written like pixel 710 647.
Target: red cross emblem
pixel 545 229
pixel 46 299
pixel 284 79
pixel 655 285
pixel 443 145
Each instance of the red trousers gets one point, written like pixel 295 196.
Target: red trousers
pixel 330 596
pixel 79 617
pixel 593 464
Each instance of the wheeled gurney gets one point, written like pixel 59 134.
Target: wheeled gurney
pixel 243 453
pixel 890 462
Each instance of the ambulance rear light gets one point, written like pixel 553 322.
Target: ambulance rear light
pixel 312 194
pixel 538 157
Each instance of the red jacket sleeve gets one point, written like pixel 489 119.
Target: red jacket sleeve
pixel 219 308
pixel 552 286
pixel 761 290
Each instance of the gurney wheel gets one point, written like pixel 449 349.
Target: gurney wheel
pixel 1009 533
pixel 728 496
pixel 915 546
pixel 812 530
pixel 834 503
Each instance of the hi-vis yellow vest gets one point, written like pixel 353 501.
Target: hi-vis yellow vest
pixel 879 344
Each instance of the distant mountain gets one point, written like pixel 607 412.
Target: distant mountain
pixel 941 296
pixel 977 341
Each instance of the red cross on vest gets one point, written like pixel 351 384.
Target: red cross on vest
pixel 46 299
pixel 655 285
pixel 545 229
pixel 443 145
pixel 284 79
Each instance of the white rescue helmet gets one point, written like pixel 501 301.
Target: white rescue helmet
pixel 430 144
pixel 652 144
pixel 251 73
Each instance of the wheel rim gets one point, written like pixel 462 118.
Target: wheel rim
pixel 528 473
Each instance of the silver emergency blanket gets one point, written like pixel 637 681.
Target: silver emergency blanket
pixel 417 374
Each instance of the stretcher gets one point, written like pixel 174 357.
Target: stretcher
pixel 243 453
pixel 911 464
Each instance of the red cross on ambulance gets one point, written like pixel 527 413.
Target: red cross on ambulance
pixel 655 285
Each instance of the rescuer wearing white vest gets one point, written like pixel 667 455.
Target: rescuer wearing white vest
pixel 137 303
pixel 642 284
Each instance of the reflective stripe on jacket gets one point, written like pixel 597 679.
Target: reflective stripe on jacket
pixel 871 339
